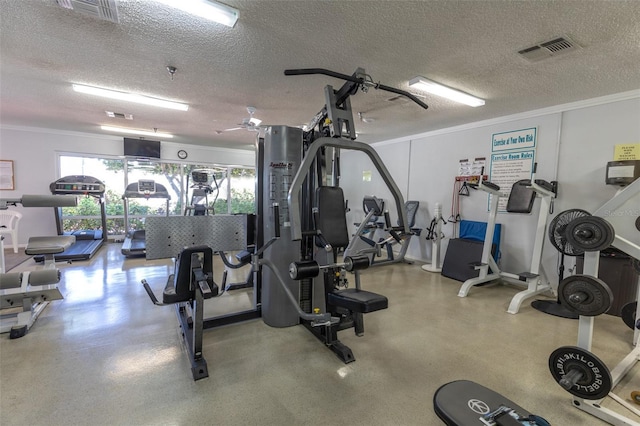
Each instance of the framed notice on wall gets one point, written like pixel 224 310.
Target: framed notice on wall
pixel 6 175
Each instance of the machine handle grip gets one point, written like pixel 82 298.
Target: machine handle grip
pixel 276 220
pixel 387 219
pixel 150 293
pixel 308 71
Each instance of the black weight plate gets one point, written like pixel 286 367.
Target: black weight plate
pixel 585 295
pixel 590 233
pixel 638 223
pixel 595 383
pixel 628 314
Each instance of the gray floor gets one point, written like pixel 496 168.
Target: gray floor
pixel 106 356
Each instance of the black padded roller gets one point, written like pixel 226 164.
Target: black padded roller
pixel 356 263
pixel 301 270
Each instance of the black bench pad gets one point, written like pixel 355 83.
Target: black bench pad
pixel 358 300
pixel 462 403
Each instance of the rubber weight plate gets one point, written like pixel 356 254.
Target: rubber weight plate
pixel 594 380
pixel 590 233
pixel 628 314
pixel 585 295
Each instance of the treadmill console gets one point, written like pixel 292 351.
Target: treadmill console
pixel 146 186
pixel 77 185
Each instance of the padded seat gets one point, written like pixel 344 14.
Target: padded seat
pixel 178 288
pixel 462 403
pixel 49 245
pixel 358 300
pixel 169 295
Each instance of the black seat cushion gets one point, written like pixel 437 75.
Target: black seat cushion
pixel 521 197
pixel 461 403
pixel 331 218
pixel 358 300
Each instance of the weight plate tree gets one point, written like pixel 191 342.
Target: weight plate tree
pixel 585 295
pixel 590 233
pixel 580 373
pixel 558 238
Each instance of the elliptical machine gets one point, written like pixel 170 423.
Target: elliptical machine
pixel 204 183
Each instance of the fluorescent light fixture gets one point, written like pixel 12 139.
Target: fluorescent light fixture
pixel 211 10
pixel 129 97
pixel 445 92
pixel 136 132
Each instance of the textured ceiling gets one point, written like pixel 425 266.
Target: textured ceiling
pixel 470 45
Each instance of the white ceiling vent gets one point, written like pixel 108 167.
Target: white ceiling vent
pixel 119 115
pixel 101 9
pixel 547 49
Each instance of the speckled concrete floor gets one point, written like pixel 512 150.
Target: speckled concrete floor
pixel 106 356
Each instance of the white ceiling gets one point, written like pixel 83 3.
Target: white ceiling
pixel 470 45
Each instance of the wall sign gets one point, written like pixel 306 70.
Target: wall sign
pixel 6 175
pixel 507 168
pixel 514 139
pixel 628 151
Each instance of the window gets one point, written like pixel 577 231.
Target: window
pixel 232 191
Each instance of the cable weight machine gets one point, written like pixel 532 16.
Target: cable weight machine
pixel 293 166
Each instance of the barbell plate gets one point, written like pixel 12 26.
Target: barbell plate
pixel 590 233
pixel 628 314
pixel 595 381
pixel 585 295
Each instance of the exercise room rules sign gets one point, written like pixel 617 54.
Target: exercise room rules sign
pixel 512 158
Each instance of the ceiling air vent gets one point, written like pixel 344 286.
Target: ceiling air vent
pixel 119 115
pixel 101 9
pixel 550 48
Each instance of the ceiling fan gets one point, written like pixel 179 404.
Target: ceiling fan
pixel 250 123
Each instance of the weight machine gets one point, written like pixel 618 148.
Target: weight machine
pixel 521 199
pixel 296 210
pixel 575 368
pixel 299 171
pixel 33 290
pixel 363 243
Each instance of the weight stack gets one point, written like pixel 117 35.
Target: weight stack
pixel 282 157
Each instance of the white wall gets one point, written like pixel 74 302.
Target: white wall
pixel 575 141
pixel 35 152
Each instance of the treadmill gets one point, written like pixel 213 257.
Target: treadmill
pixel 88 241
pixel 134 243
